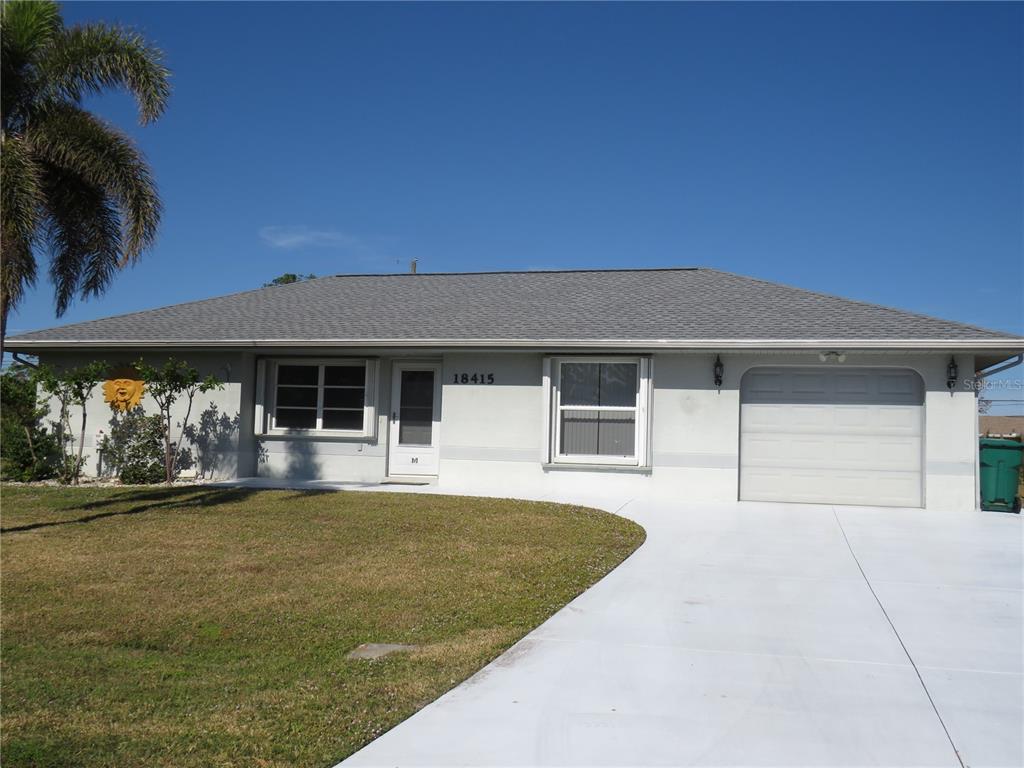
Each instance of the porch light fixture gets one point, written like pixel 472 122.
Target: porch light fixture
pixel 719 372
pixel 952 372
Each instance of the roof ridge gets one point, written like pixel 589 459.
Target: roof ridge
pixel 861 302
pixel 519 272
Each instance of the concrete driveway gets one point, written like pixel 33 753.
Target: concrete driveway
pixel 759 634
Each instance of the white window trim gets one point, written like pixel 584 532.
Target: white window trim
pixel 369 428
pixel 553 421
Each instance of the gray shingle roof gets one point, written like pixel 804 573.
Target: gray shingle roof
pixel 675 305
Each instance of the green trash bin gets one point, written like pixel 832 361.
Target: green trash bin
pixel 1000 468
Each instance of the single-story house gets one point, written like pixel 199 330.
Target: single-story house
pixel 694 383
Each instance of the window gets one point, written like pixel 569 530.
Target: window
pixel 599 410
pixel 330 396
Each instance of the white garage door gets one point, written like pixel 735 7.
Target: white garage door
pixel 832 436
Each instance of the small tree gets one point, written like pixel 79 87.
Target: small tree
pixel 173 381
pixel 288 278
pixel 72 387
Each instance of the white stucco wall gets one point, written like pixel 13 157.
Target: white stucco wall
pixel 232 451
pixel 492 435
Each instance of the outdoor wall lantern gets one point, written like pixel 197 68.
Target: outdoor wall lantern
pixel 719 372
pixel 952 372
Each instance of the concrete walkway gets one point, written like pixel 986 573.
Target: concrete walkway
pixel 759 634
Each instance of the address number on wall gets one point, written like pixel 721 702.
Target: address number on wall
pixel 472 378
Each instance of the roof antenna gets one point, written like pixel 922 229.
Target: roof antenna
pixel 412 266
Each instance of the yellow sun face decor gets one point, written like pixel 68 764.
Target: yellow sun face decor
pixel 123 392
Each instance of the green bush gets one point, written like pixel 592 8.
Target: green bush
pixel 134 448
pixel 27 450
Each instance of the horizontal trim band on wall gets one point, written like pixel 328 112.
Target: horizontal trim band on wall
pixel 662 459
pixel 696 460
pixel 482 453
pixel 1009 345
pixel 956 468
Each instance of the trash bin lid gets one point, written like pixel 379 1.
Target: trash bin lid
pixel 1001 442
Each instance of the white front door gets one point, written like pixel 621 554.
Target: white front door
pixel 415 419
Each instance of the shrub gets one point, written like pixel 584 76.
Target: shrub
pixel 133 450
pixel 27 451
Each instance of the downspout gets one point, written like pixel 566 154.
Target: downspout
pixel 1005 366
pixel 980 376
pixel 16 356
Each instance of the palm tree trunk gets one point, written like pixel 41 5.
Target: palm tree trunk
pixel 4 307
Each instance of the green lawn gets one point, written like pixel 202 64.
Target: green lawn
pixel 209 627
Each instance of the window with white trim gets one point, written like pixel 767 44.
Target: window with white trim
pixel 600 410
pixel 333 396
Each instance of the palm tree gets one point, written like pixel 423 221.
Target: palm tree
pixel 72 186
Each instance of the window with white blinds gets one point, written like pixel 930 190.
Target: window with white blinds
pixel 599 410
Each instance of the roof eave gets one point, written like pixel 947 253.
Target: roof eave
pixel 1004 344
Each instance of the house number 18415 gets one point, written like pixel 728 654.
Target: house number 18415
pixel 472 378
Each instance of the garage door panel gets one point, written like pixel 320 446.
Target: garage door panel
pixel 897 489
pixel 809 384
pixel 877 420
pixel 907 386
pixel 828 436
pixel 899 419
pixel 764 418
pixel 818 452
pixel 809 417
pixel 765 383
pixel 852 417
pixel 830 420
pixel 868 386
pixel 882 455
pixel 852 384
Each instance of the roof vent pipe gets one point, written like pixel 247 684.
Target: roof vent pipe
pixel 412 267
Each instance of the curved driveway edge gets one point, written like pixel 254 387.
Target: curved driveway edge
pixel 758 634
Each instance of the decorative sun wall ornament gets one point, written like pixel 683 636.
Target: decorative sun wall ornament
pixel 124 391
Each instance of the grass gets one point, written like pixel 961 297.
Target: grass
pixel 209 627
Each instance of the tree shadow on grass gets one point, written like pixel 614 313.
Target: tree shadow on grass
pixel 161 499
pixel 147 501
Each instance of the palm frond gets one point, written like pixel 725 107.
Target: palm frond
pixel 83 235
pixel 26 28
pixel 17 271
pixel 71 184
pixel 88 148
pixel 26 25
pixel 21 194
pixel 95 57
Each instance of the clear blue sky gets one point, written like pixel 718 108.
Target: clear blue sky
pixel 874 151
